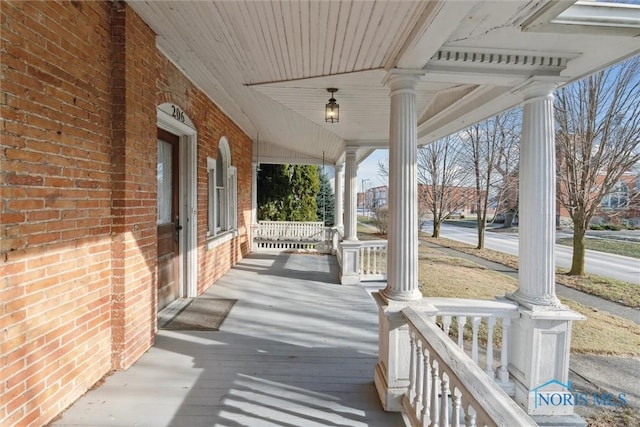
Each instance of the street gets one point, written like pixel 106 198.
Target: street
pixel 600 263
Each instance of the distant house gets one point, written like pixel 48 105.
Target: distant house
pixel 620 206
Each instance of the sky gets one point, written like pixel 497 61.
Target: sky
pixel 368 170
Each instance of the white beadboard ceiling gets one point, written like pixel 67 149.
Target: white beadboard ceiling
pixel 268 64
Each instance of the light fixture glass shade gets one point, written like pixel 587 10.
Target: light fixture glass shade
pixel 332 109
pixel 332 112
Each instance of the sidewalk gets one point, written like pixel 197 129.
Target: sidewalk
pixel 588 373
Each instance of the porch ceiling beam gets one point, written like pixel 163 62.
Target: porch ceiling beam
pixel 466 111
pixel 266 153
pixel 369 143
pixel 433 31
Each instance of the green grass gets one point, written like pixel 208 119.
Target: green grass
pixel 610 289
pixel 618 247
pixel 366 233
pixel 444 276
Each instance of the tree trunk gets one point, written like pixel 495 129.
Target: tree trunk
pixel 577 261
pixel 482 225
pixel 508 219
pixel 436 228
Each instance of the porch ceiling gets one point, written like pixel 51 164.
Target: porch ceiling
pixel 267 64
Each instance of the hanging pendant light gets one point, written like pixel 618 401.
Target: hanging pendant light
pixel 332 109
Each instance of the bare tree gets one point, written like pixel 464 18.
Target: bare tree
pixel 441 174
pixel 490 146
pixel 598 139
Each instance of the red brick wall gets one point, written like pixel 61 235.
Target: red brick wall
pixel 55 337
pixel 212 124
pixel 134 153
pixel 79 90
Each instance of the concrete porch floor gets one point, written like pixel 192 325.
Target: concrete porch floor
pixel 297 349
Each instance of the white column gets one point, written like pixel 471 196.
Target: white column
pixel 391 376
pixel 254 203
pixel 350 195
pixel 540 339
pixel 402 262
pixel 537 199
pixel 254 193
pixel 337 216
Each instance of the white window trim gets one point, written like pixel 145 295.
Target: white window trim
pixel 211 197
pixel 228 230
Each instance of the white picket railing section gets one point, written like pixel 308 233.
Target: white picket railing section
pixel 447 388
pixel 293 235
pixel 471 315
pixel 338 234
pixel 373 260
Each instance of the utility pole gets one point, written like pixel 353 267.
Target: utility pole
pixel 364 197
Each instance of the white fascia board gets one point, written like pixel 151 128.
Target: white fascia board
pixel 588 17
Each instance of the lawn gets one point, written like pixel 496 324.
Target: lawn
pixel 618 247
pixel 444 276
pixel 613 290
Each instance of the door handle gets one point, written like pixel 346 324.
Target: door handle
pixel 178 227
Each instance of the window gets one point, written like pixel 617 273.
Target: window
pixel 618 198
pixel 164 175
pixel 222 192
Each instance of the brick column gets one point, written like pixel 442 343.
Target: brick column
pixel 134 157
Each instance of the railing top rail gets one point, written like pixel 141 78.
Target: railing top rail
pixel 474 307
pixel 372 243
pixel 314 223
pixel 486 395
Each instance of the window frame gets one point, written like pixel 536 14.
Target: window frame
pixel 222 199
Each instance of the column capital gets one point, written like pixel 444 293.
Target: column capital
pixel 351 149
pixel 399 79
pixel 537 87
pixel 338 167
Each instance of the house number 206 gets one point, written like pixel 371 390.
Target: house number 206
pixel 177 113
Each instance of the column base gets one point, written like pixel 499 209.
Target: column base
pixel 391 375
pixel 350 271
pixel 540 303
pixel 539 343
pixel 390 295
pixel 390 397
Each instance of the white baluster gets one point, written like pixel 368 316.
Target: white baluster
pixel 491 323
pixel 444 401
pixel 426 398
pixel 435 403
pixel 503 373
pixel 462 321
pixel 419 377
pixel 412 367
pixel 446 324
pixel 475 324
pixel 456 399
pixel 470 417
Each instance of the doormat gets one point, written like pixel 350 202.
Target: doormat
pixel 201 314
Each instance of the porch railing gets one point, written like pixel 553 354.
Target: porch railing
pixel 293 235
pixel 471 318
pixel 447 388
pixel 373 260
